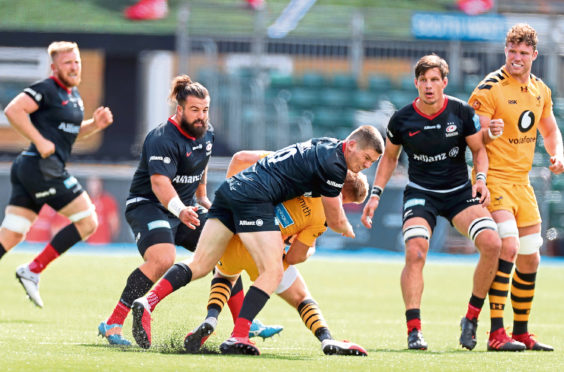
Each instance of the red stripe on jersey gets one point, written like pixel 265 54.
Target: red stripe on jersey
pixel 61 84
pixel 180 129
pixel 427 116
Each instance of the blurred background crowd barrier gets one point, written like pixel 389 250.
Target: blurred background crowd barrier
pixel 278 72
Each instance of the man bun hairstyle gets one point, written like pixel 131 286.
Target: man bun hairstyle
pixel 57 47
pixel 430 61
pixel 522 33
pixel 183 86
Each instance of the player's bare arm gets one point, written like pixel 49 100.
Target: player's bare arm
pixel 480 159
pixel 552 143
pixel 336 218
pixel 297 253
pixel 202 192
pixel 386 166
pixel 17 112
pixel 164 191
pixel 241 160
pixel 101 119
pixel 491 128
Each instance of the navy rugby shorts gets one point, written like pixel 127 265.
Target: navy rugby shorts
pixel 429 204
pixel 36 181
pixel 242 216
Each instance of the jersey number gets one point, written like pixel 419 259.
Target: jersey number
pixel 282 155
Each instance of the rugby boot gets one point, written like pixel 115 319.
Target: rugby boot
pixel 500 341
pixel 334 347
pixel 141 322
pixel 529 340
pixel 468 332
pixel 30 282
pixel 415 340
pixel 112 333
pixel 260 330
pixel 196 338
pixel 239 345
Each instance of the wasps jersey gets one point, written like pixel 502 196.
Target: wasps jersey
pixel 521 106
pixel 302 216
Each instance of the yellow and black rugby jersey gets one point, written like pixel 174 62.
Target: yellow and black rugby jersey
pixel 521 106
pixel 303 216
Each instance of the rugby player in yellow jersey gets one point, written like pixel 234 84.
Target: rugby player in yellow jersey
pixel 512 104
pixel 301 221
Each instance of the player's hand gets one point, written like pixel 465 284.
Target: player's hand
pixel 480 188
pixel 350 232
pixel 102 117
pixel 496 127
pixel 45 148
pixel 557 165
pixel 368 211
pixel 189 217
pixel 204 202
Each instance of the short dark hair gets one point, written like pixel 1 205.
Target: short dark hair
pixel 183 86
pixel 368 137
pixel 522 33
pixel 428 62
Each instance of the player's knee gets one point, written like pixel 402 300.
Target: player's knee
pixel 85 221
pixel 163 262
pixel 530 244
pixel 416 240
pixel 16 225
pixel 10 239
pixel 484 233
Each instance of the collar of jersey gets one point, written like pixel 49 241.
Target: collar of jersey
pixel 60 84
pixel 427 116
pixel 171 120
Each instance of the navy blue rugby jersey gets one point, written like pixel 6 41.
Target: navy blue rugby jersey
pixel 315 167
pixel 435 145
pixel 170 151
pixel 59 115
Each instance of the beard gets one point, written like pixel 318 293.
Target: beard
pixel 71 82
pixel 192 129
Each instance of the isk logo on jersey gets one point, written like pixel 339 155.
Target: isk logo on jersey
pixel 430 158
pixel 164 159
pixel 69 128
pixel 335 184
pixel 258 223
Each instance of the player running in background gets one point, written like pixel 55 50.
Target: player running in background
pixel 512 104
pixel 302 219
pixel 434 131
pixel 50 114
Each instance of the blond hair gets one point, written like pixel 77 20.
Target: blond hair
pixel 355 187
pixel 522 33
pixel 57 47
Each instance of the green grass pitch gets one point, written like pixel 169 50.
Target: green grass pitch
pixel 360 300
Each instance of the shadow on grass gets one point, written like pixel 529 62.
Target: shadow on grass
pixel 436 352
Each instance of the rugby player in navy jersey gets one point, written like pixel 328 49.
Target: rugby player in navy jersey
pixel 245 205
pixel 167 202
pixel 50 114
pixel 434 131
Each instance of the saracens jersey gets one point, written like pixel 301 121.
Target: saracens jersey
pixel 169 151
pixel 316 167
pixel 435 145
pixel 59 115
pixel 521 106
